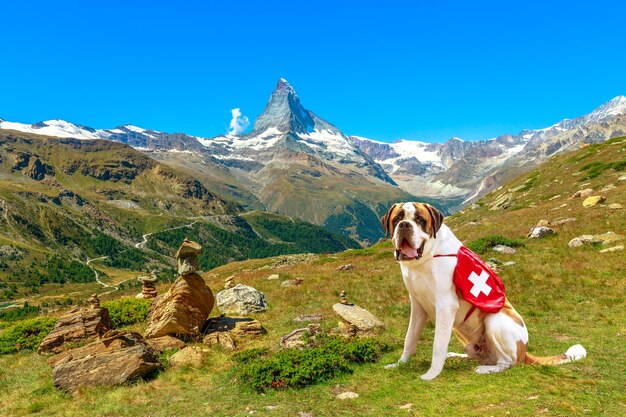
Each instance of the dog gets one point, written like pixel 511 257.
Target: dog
pixel 428 253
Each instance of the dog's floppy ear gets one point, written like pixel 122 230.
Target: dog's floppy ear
pixel 386 220
pixel 437 217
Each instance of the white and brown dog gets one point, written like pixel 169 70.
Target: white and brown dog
pixel 423 245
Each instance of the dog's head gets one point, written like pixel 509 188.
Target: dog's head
pixel 411 226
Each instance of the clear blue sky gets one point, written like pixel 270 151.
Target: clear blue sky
pixel 384 70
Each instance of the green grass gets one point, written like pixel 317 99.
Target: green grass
pixel 565 295
pixel 483 244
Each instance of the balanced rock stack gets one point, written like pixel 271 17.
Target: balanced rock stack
pixel 148 289
pixel 184 308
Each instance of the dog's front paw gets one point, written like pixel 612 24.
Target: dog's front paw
pixel 429 376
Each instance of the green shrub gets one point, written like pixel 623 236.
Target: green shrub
pixel 127 311
pixel 596 168
pixel 19 313
pixel 294 368
pixel 483 244
pixel 25 335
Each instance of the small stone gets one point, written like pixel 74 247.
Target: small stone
pixel 606 238
pixel 613 249
pixel 237 326
pixel 474 206
pixel 222 339
pixel 509 263
pixel 296 337
pixel 622 178
pixel 554 197
pixel 346 267
pixel 583 193
pixel 580 240
pixel 229 282
pixel 560 222
pixel 608 187
pixel 615 206
pixel 504 249
pixel 406 406
pixel 502 202
pixel 593 201
pixel 343 297
pixel 291 282
pixel 273 277
pixel 540 232
pixel 94 301
pixel 495 261
pixel 348 395
pixel 543 223
pixel 309 317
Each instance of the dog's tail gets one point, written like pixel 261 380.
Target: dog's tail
pixel 574 353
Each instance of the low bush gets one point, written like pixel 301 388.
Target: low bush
pixel 329 357
pixel 127 311
pixel 485 243
pixel 25 335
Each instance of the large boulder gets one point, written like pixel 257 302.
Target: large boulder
pixel 76 326
pixel 182 310
pixel 119 357
pixel 192 356
pixel 241 300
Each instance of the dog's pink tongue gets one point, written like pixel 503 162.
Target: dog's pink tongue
pixel 407 250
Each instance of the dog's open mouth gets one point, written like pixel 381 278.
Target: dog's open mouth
pixel 408 252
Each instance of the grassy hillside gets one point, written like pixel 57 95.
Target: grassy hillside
pixel 66 201
pixel 566 296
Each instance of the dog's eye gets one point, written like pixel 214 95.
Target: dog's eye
pixel 395 221
pixel 420 220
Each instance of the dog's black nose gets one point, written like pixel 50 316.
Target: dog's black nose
pixel 404 225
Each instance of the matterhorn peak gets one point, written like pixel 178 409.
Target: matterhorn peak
pixel 284 112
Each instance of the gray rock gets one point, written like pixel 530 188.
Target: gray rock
pixel 354 315
pixel 580 240
pixel 540 232
pixel 241 300
pixel 272 277
pixel 504 249
pixel 346 267
pixel 297 337
pixel 309 317
pixel 615 206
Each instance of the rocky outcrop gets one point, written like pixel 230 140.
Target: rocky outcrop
pixel 184 308
pixel 241 300
pixel 76 326
pixel 117 358
pixel 603 239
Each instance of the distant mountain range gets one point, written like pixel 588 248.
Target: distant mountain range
pixel 296 163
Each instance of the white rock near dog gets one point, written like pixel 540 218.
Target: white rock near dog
pixel 241 300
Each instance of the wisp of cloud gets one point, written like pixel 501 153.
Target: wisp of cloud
pixel 238 123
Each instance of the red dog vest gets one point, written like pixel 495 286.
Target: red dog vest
pixel 478 284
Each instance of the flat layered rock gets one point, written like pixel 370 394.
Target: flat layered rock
pixel 593 201
pixel 161 344
pixel 182 310
pixel 354 315
pixel 117 358
pixel 76 326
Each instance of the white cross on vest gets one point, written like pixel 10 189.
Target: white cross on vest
pixel 480 283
